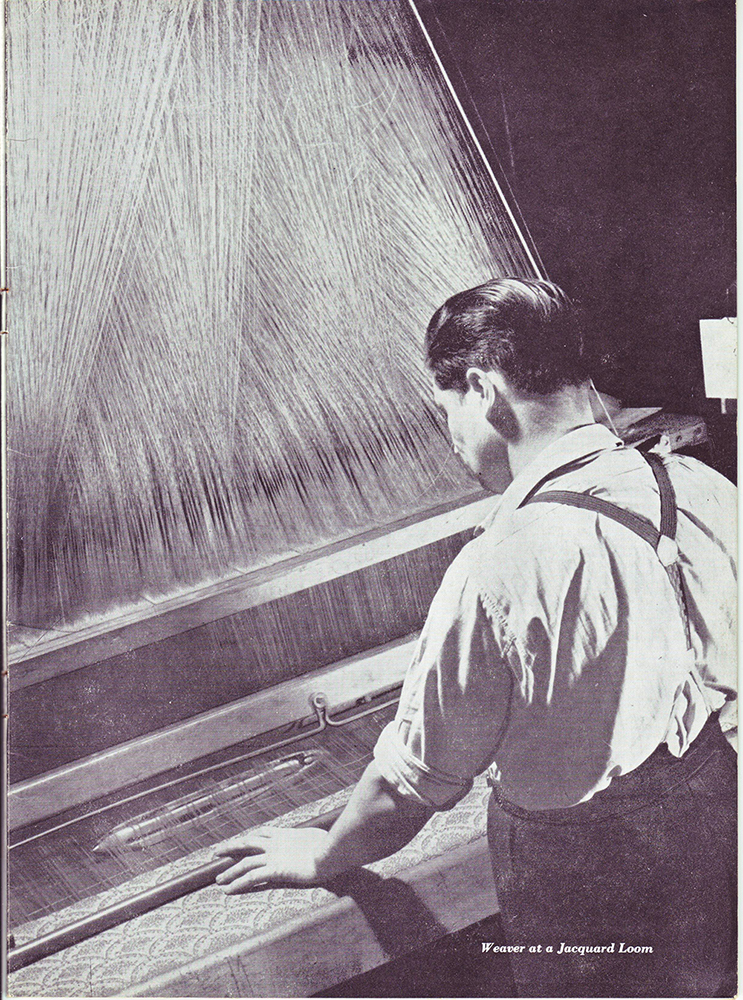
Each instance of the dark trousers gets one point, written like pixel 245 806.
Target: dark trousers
pixel 649 863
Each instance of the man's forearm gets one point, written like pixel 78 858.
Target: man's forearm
pixel 376 822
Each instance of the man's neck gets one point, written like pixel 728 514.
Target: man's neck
pixel 544 420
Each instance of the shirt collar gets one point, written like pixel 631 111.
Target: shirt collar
pixel 579 444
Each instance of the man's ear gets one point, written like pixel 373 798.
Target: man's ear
pixel 479 382
pixel 491 389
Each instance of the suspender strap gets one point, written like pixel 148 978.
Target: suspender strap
pixel 663 541
pixel 667 494
pixel 632 521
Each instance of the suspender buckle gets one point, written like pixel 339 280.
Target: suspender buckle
pixel 667 551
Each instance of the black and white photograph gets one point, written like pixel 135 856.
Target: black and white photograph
pixel 368 384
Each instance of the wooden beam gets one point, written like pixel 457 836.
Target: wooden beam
pixel 348 936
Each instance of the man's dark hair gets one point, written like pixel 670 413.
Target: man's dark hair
pixel 525 328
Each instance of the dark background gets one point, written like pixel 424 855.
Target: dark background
pixel 613 123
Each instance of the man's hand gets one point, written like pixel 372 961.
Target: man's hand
pixel 275 855
pixel 376 822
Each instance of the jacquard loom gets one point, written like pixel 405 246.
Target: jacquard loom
pixel 230 502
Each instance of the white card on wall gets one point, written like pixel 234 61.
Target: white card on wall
pixel 720 357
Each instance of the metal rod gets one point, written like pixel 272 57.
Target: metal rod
pixel 133 906
pixel 486 162
pixel 112 916
pixel 319 704
pixel 182 885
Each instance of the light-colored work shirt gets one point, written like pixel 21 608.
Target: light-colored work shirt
pixel 555 653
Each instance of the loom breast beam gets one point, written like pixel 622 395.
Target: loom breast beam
pixel 116 914
pixel 353 680
pixel 284 943
pixel 46 936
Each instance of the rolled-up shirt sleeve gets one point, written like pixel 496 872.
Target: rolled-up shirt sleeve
pixel 455 699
